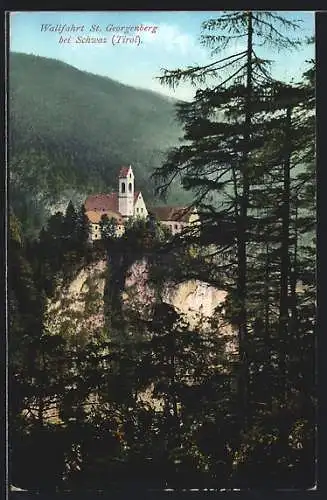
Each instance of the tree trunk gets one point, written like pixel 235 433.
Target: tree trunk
pixel 266 293
pixel 293 277
pixel 285 261
pixel 242 230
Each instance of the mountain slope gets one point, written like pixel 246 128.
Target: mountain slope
pixel 70 131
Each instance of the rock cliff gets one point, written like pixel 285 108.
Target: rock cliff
pixel 78 308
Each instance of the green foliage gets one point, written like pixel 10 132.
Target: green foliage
pixel 108 227
pixel 247 155
pixel 15 230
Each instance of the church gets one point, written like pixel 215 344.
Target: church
pixel 127 203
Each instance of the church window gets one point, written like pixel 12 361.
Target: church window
pixel 176 226
pixel 142 210
pixel 137 209
pixel 130 187
pixel 123 187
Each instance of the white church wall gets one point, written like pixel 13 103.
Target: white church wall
pixel 140 209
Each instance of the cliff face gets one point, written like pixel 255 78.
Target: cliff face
pixel 78 310
pixel 196 300
pixel 192 298
pixel 79 306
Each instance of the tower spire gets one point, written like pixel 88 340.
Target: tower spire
pixel 126 191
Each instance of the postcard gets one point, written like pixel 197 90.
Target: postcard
pixel 161 251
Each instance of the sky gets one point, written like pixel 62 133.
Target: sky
pixel 136 58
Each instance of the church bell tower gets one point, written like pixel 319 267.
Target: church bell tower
pixel 126 192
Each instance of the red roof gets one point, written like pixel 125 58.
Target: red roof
pixel 123 172
pixel 102 202
pixel 171 213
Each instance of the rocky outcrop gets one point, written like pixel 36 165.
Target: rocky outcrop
pixel 191 298
pixel 196 300
pixel 78 311
pixel 79 307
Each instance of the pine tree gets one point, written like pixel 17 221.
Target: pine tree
pixel 278 338
pixel 223 127
pixel 83 227
pixel 70 223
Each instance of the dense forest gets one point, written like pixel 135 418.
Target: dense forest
pixel 248 159
pixel 70 131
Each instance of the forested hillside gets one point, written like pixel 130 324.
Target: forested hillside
pixel 70 131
